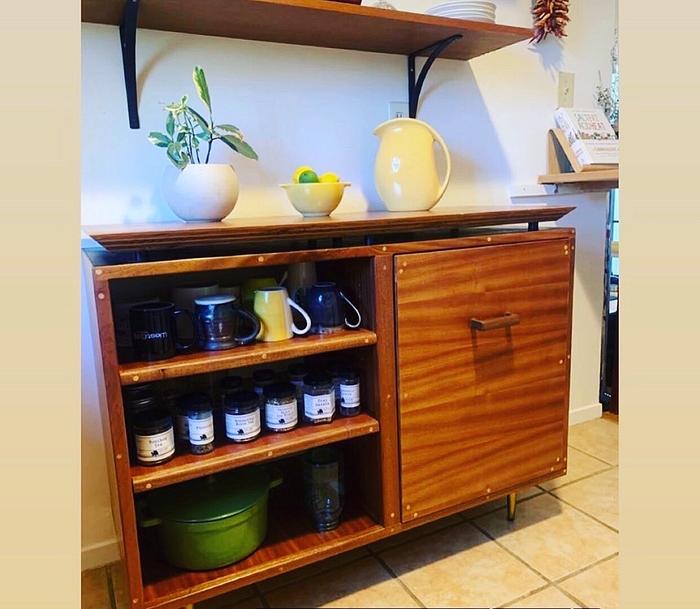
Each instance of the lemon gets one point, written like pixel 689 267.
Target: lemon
pixel 308 176
pixel 299 171
pixel 329 176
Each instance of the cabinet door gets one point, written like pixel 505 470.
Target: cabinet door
pixel 481 410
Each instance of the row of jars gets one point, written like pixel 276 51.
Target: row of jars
pixel 157 423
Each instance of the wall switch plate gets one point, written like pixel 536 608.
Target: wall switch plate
pixel 566 90
pixel 398 110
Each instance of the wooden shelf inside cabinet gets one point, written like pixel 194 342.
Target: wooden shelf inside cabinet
pixel 239 357
pixel 231 455
pixel 290 543
pixel 315 23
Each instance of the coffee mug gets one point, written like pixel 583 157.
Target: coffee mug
pixel 300 277
pixel 325 303
pixel 184 297
pixel 217 321
pixel 154 331
pixel 274 308
pixel 250 285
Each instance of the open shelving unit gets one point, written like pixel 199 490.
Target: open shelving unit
pixel 316 23
pixel 603 179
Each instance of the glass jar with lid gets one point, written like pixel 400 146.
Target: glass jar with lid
pixel 227 385
pixel 263 378
pixel 200 422
pixel 242 415
pixel 154 439
pixel 137 399
pixel 319 398
pixel 349 389
pixel 296 374
pixel 280 407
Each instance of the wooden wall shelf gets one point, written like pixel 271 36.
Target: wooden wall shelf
pixel 590 180
pixel 201 362
pixel 316 23
pixel 229 455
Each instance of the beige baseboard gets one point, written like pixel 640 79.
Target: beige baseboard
pixel 585 413
pixel 99 554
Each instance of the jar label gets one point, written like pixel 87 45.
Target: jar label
pixel 201 431
pixel 156 447
pixel 281 416
pixel 243 426
pixel 350 395
pixel 183 428
pixel 319 406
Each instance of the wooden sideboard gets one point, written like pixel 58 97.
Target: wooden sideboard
pixel 464 356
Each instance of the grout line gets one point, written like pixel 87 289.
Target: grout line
pixel 586 477
pixel 578 509
pixel 586 568
pixel 390 571
pixel 579 602
pixel 110 587
pixel 524 596
pixel 594 457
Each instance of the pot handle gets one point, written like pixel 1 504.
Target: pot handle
pixel 276 477
pixel 448 170
pixel 145 521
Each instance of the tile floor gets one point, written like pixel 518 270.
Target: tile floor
pixel 561 551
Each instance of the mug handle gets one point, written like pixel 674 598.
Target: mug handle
pixel 303 313
pixel 187 345
pixel 354 308
pixel 246 340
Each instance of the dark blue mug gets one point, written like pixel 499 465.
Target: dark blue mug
pixel 325 303
pixel 217 323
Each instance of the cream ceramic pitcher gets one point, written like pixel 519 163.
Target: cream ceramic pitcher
pixel 404 171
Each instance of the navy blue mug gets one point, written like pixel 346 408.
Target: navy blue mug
pixel 326 305
pixel 217 323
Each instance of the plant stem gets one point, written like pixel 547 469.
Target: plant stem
pixel 191 126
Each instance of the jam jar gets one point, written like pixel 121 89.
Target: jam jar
pixel 262 379
pixel 137 399
pixel 228 384
pixel 154 439
pixel 281 407
pixel 296 374
pixel 200 422
pixel 319 398
pixel 242 414
pixel 349 389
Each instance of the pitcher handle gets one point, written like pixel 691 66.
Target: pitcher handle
pixel 448 170
pixel 303 313
pixel 354 308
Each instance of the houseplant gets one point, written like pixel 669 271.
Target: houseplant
pixel 202 191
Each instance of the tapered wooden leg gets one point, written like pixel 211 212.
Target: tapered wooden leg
pixel 190 606
pixel 511 502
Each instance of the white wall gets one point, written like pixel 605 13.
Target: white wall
pixel 299 105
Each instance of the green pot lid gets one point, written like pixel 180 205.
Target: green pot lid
pixel 212 498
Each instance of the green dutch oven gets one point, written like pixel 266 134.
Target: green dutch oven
pixel 214 521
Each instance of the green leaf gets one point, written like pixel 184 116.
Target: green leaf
pixel 178 158
pixel 239 146
pixel 229 128
pixel 170 124
pixel 200 83
pixel 159 139
pixel 201 121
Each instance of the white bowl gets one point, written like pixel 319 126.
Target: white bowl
pixel 315 199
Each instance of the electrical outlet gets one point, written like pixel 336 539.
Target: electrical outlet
pixel 566 90
pixel 398 110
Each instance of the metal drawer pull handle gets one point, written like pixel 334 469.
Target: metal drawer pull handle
pixel 509 319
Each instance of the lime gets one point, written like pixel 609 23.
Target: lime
pixel 308 176
pixel 299 171
pixel 329 176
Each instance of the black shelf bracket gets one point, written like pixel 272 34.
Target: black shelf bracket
pixel 127 36
pixel 415 86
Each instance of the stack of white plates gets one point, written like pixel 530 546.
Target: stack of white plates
pixel 473 10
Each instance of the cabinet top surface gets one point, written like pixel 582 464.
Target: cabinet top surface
pixel 131 237
pixel 316 23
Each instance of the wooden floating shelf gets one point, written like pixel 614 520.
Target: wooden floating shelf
pixel 245 231
pixel 291 542
pixel 201 362
pixel 231 455
pixel 316 23
pixel 603 179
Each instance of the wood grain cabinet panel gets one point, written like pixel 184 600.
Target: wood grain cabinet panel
pixel 483 342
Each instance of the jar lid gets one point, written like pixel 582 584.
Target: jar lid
pixel 211 498
pixel 297 370
pixel 280 390
pixel 136 393
pixel 195 401
pixel 241 399
pixel 231 383
pixel 348 375
pixel 266 375
pixel 316 378
pixel 214 299
pixel 151 420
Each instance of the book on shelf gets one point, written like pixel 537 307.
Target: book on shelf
pixel 590 135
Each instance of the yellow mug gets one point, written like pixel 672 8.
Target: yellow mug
pixel 250 285
pixel 273 307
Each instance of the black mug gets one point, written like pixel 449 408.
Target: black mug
pixel 326 305
pixel 217 323
pixel 154 331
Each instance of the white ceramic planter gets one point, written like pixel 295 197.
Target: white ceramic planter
pixel 203 193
